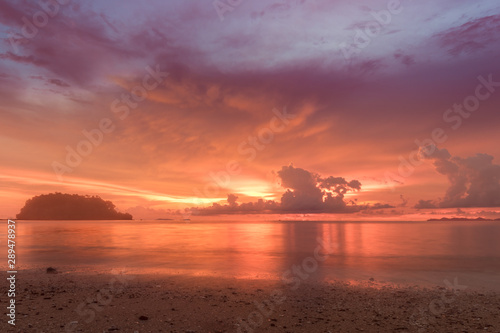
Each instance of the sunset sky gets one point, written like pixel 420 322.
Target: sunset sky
pixel 175 104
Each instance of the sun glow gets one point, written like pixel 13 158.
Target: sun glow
pixel 255 188
pixel 107 188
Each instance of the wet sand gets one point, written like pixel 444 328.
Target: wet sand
pixel 76 302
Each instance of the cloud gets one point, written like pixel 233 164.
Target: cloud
pixel 472 36
pixel 404 201
pixel 302 191
pixel 378 206
pixel 405 59
pixel 85 48
pixel 474 181
pixel 58 82
pixel 310 192
pixel 231 199
pixel 22 59
pixel 140 212
pixel 425 204
pixel 233 207
pixel 306 192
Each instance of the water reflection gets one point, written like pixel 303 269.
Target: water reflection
pixel 264 250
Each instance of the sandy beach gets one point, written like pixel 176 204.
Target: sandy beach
pixel 76 302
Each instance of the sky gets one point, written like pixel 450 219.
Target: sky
pixel 384 109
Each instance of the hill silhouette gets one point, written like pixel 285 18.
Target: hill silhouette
pixel 60 206
pixel 461 219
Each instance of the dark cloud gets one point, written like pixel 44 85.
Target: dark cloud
pixel 11 12
pixel 311 192
pixel 404 201
pixel 405 59
pixel 91 51
pixel 368 66
pixel 284 9
pixel 231 199
pixel 233 207
pixel 58 82
pixel 22 59
pixel 302 191
pixel 425 204
pixel 472 36
pixel 379 205
pixel 474 181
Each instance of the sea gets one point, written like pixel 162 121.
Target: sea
pixel 465 253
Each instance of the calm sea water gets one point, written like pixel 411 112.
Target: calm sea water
pixel 395 252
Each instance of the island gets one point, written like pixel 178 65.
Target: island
pixel 461 219
pixel 61 206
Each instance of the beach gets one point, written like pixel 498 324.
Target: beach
pixel 117 302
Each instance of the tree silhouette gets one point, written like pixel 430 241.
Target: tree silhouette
pixel 60 206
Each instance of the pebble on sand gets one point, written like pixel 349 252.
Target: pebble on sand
pixel 51 270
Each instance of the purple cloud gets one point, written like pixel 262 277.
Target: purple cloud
pixel 474 181
pixel 472 36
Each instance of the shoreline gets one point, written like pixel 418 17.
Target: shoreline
pixel 103 302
